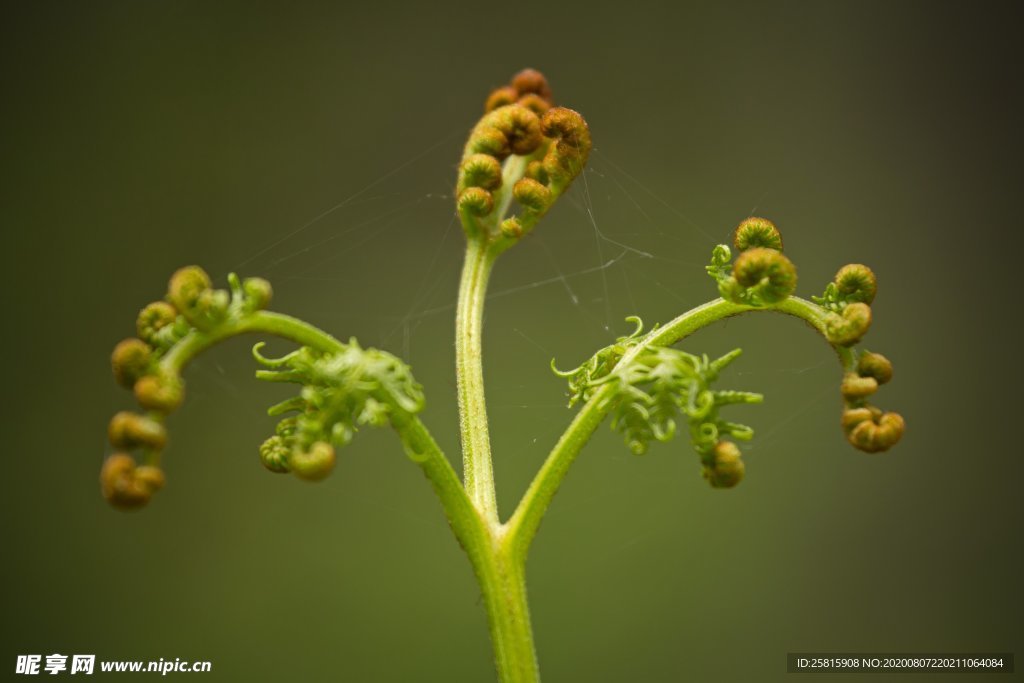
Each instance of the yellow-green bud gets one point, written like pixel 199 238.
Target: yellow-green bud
pixel 535 170
pixel 186 286
pixel 873 436
pixel 154 318
pixel 726 468
pixel 854 416
pixel 512 227
pixel 757 232
pixel 475 201
pixel 480 170
pixel 855 387
pixel 875 365
pixel 274 454
pixel 131 359
pixel 124 485
pixel 535 103
pixel 313 464
pixel 532 195
pixel 847 328
pixel 766 273
pixel 500 98
pixel 128 431
pixel 258 293
pixel 856 282
pixel 162 392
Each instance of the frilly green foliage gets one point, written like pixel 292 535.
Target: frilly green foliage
pixel 341 392
pixel 658 388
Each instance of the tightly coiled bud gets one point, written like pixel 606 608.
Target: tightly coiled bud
pixel 191 292
pixel 153 318
pixel 856 283
pixel 848 327
pixel 875 365
pixel 760 276
pixel 501 97
pixel 875 433
pixel 129 431
pixel 567 157
pixel 258 293
pixel 475 201
pixel 726 468
pixel 529 89
pixel 532 195
pixel 313 464
pixel 126 486
pixel 131 360
pixel 480 170
pixel 855 387
pixel 757 232
pixel 274 453
pixel 162 392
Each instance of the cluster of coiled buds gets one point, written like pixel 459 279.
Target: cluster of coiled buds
pixel 192 306
pixel 847 300
pixel 551 145
pixel 761 275
pixel 341 392
pixel 657 388
pixel 866 427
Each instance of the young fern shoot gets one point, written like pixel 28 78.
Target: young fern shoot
pixel 524 152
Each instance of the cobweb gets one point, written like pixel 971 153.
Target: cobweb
pixel 382 263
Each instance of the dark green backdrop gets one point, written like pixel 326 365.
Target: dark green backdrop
pixel 138 137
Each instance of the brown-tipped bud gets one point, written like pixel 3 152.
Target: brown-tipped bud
pixel 757 232
pixel 875 365
pixel 532 195
pixel 475 201
pixel 848 328
pixel 125 486
pixel 567 157
pixel 274 454
pixel 313 464
pixel 512 227
pixel 535 171
pixel 129 431
pixel 480 170
pixel 766 274
pixel 520 125
pixel 855 387
pixel 532 81
pixel 726 468
pixel 131 360
pixel 162 392
pixel 258 293
pixel 153 318
pixel 500 98
pixel 856 282
pixel 881 434
pixel 535 103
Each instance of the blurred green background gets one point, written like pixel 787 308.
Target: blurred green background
pixel 139 137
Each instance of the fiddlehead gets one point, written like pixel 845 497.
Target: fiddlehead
pixel 523 148
pixel 343 386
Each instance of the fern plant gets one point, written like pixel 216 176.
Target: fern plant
pixel 519 158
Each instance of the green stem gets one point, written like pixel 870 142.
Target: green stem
pixel 522 526
pixel 478 473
